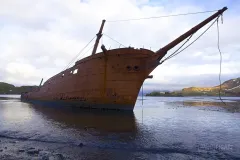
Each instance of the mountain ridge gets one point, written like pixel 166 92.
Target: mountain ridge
pixel 228 88
pixel 6 88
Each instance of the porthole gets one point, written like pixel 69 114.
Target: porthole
pixel 136 68
pixel 129 68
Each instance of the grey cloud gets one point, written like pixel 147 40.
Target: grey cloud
pixel 46 38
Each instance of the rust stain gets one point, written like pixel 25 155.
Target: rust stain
pixel 110 79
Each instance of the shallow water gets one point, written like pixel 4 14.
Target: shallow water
pixel 161 128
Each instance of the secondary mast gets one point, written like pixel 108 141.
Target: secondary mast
pixel 99 35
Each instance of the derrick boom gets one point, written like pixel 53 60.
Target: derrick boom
pixel 163 51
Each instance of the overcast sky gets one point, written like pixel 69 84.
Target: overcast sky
pixel 39 38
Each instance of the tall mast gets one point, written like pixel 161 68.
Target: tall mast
pixel 172 44
pixel 99 35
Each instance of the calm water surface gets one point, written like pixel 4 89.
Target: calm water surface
pixel 161 128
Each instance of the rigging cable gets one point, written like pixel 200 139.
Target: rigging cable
pixel 218 45
pixel 79 53
pixel 220 71
pixel 173 15
pixel 142 94
pixel 191 42
pixel 175 52
pixel 142 102
pixel 113 40
pixel 86 52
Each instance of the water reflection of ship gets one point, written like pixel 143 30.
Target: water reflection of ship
pixel 91 120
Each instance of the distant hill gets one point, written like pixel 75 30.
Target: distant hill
pixel 232 85
pixel 6 88
pixel 229 88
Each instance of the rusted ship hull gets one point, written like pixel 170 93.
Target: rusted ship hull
pixel 109 80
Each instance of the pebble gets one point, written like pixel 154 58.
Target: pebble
pixel 13 142
pixel 60 156
pixel 1 150
pixel 33 152
pixel 80 145
pixel 57 156
pixel 45 158
pixel 21 150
